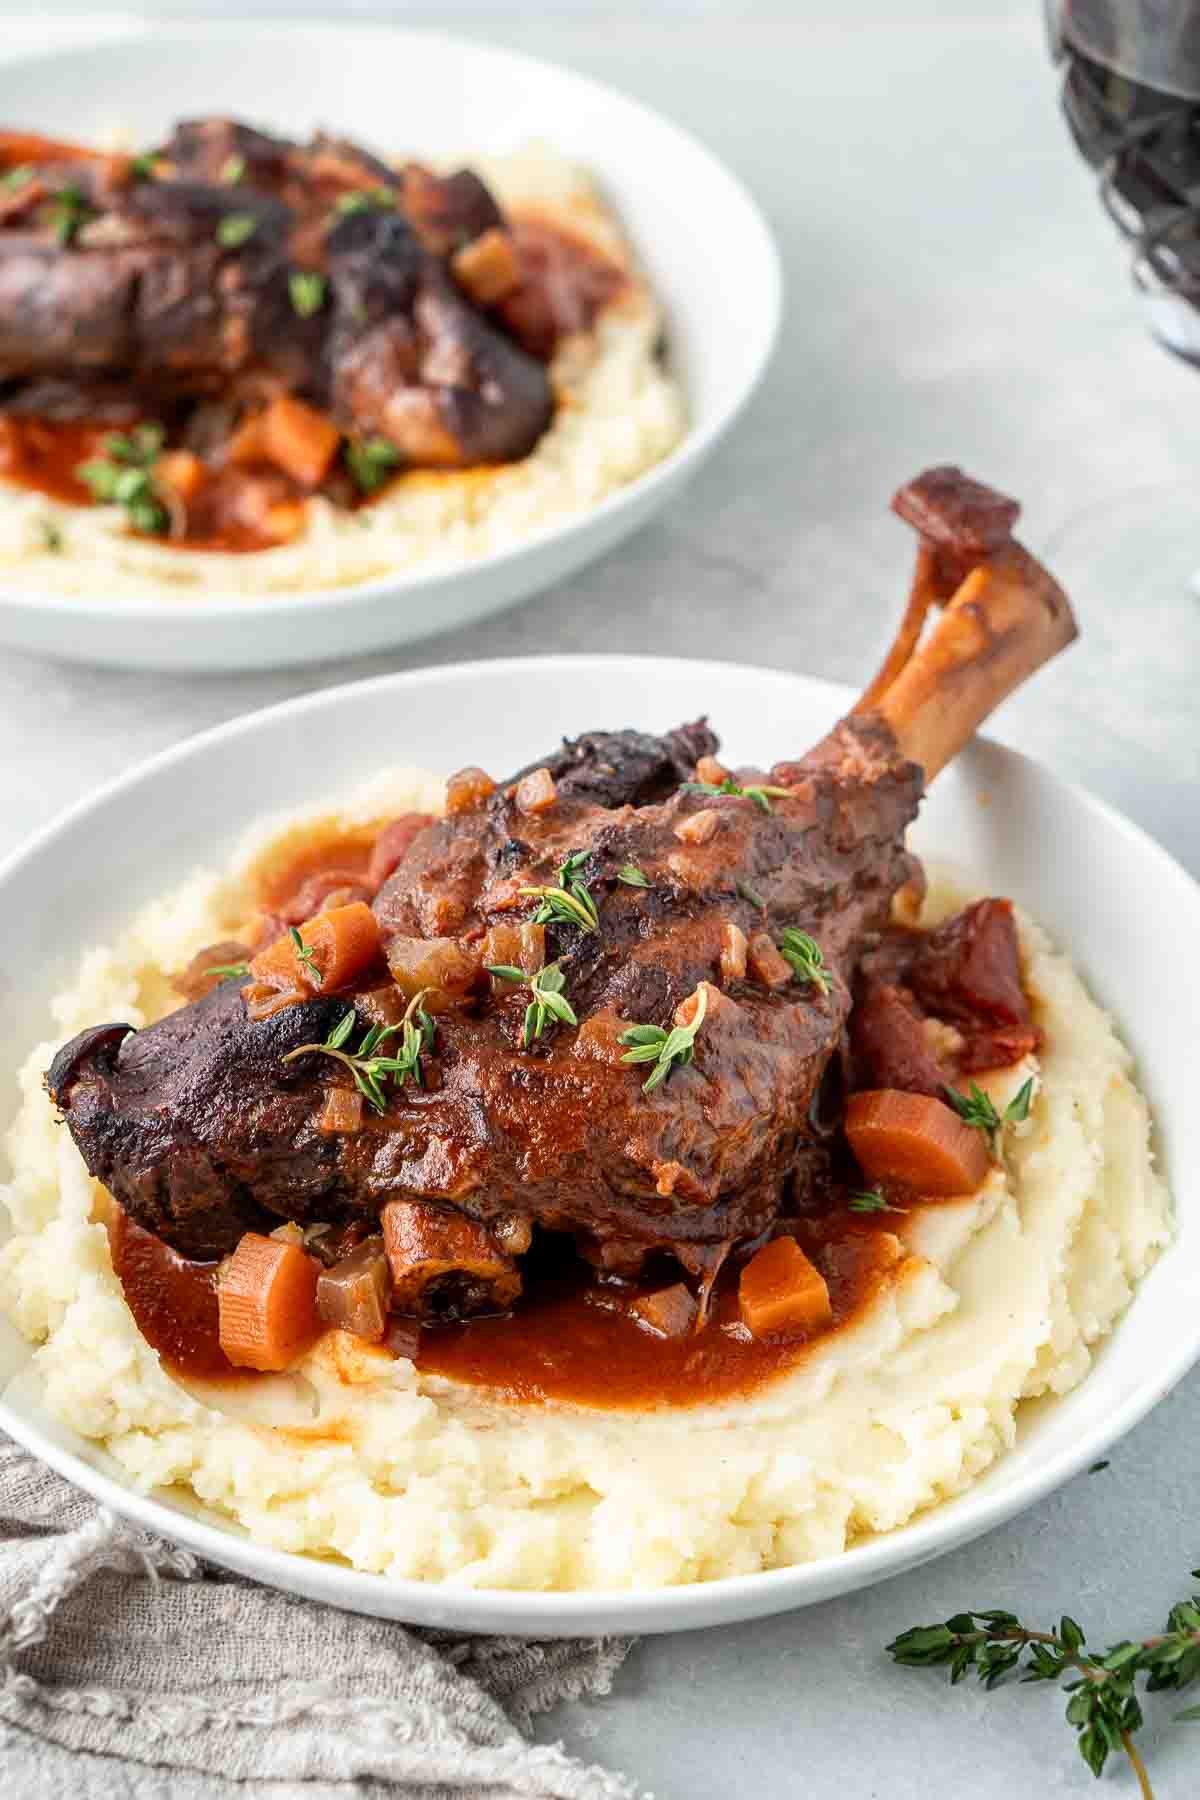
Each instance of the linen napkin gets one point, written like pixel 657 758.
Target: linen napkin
pixel 116 1645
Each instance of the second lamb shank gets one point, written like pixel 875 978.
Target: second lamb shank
pixel 614 989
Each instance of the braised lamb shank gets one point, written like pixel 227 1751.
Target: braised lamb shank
pixel 201 1130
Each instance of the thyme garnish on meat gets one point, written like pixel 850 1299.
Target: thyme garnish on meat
pixel 751 895
pixel 370 462
pixel 233 170
pixel 17 178
pixel 359 199
pixel 761 796
pixel 225 970
pixel 67 212
pixel 305 954
pixel 665 1049
pixel 804 954
pixel 235 229
pixel 570 903
pixel 1103 1706
pixel 872 1200
pixel 632 876
pixel 124 476
pixel 306 290
pixel 370 1070
pixel 547 1003
pixel 976 1109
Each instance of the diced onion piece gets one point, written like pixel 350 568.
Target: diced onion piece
pixel 402 1337
pixel 182 471
pixel 343 941
pixel 439 966
pixel 513 1232
pixel 353 1295
pixel 668 1311
pixel 536 792
pixel 709 769
pixel 267 1303
pixel 467 790
pixel 916 1140
pixel 698 827
pixel 766 963
pixel 780 1290
pixel 515 946
pixel 685 1012
pixel 733 952
pixel 342 1112
pixel 298 439
pixel 487 268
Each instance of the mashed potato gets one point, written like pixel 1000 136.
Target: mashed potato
pixel 1000 1297
pixel 619 412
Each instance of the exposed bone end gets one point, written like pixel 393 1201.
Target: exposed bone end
pixel 1004 616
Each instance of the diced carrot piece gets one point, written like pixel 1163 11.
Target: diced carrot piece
pixel 285 520
pixel 182 471
pixel 780 1290
pixel 267 1303
pixel 536 792
pixel 299 439
pixel 246 444
pixel 343 942
pixel 467 790
pixel 710 770
pixel 767 963
pixel 698 827
pixel 19 147
pixel 733 951
pixel 669 1311
pixel 916 1140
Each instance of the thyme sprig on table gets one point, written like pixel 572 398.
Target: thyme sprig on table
pixel 977 1109
pixel 370 1070
pixel 1103 1706
pixel 761 796
pixel 665 1049
pixel 547 1002
pixel 804 954
pixel 570 903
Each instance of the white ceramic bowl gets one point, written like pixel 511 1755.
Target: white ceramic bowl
pixel 1123 908
pixel 433 95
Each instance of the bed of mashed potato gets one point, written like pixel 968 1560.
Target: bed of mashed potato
pixel 620 411
pixel 999 1298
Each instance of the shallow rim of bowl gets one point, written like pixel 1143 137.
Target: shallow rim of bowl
pixel 584 1610
pixel 677 465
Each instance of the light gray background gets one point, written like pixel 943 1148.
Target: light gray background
pixel 954 293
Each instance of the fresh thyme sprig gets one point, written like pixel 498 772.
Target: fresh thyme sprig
pixel 665 1049
pixel 976 1109
pixel 18 177
pixel 369 1069
pixel 548 1002
pixel 761 796
pixel 305 954
pixel 872 1200
pixel 225 970
pixel 233 170
pixel 236 229
pixel 370 462
pixel 751 895
pixel 360 199
pixel 124 476
pixel 1103 1706
pixel 570 903
pixel 804 954
pixel 66 212
pixel 632 876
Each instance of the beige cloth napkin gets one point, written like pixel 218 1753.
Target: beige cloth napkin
pixel 129 1670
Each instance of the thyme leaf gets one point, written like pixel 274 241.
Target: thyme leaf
pixel 570 903
pixel 233 170
pixel 804 954
pixel 665 1049
pixel 872 1200
pixel 305 954
pixel 67 212
pixel 370 462
pixel 761 796
pixel 632 876
pixel 225 970
pixel 235 229
pixel 976 1109
pixel 370 1070
pixel 306 289
pixel 124 476
pixel 548 1000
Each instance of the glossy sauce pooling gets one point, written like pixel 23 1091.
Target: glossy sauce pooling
pixel 173 1301
pixel 571 1339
